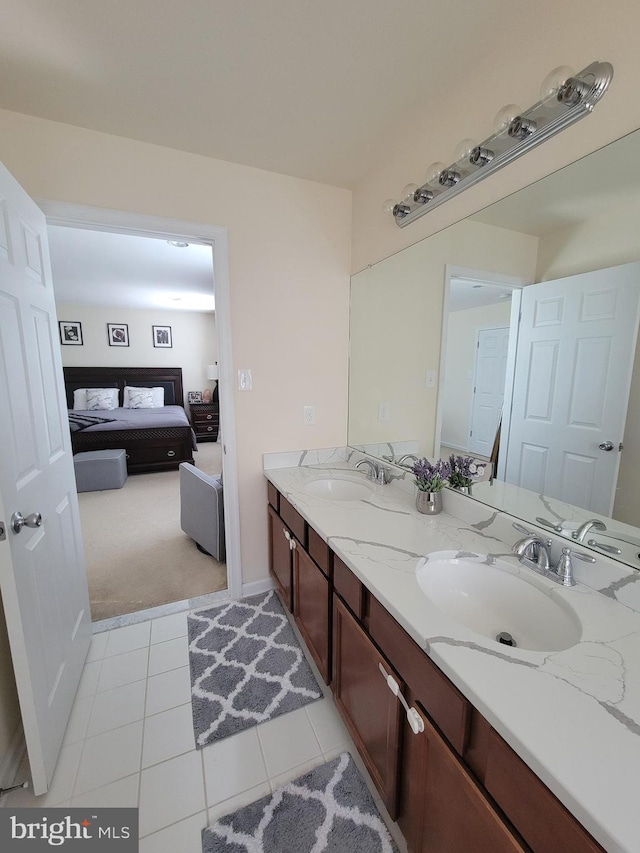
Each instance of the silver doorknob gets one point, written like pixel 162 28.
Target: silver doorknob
pixel 18 521
pixel 606 445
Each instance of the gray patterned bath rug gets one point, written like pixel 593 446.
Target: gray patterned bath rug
pixel 246 667
pixel 325 811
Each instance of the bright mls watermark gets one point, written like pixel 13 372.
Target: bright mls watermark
pixel 103 830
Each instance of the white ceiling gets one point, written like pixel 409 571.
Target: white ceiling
pixel 465 294
pixel 306 88
pixel 101 268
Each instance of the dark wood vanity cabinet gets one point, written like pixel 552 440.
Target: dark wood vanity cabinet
pixel 456 786
pixel 443 808
pixel 370 710
pixel 300 565
pixel 280 557
pixel 311 608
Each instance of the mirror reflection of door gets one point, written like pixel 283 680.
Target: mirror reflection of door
pixel 488 388
pixel 475 361
pixel 571 386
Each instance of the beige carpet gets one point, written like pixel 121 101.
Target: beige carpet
pixel 136 554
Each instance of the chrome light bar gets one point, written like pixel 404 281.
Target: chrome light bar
pixel 572 99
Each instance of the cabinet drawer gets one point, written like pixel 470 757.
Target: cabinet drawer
pixel 440 698
pixel 348 587
pixel 205 429
pixel 205 417
pixel 320 552
pixel 294 521
pixel 273 494
pixel 541 819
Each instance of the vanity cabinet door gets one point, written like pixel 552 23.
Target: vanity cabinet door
pixel 280 559
pixel 370 710
pixel 444 809
pixel 311 609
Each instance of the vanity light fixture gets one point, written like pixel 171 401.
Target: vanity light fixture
pixel 565 98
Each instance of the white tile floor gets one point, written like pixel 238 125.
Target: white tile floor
pixel 130 742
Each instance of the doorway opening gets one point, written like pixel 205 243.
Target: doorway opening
pixel 480 326
pixel 138 557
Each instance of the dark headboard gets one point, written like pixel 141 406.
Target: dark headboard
pixel 169 378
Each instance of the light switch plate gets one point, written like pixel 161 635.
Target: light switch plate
pixel 245 380
pixel 431 379
pixel 383 411
pixel 309 415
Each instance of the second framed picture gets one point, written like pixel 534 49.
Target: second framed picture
pixel 118 334
pixel 162 336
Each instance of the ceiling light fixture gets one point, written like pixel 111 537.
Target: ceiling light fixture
pixel 179 244
pixel 565 98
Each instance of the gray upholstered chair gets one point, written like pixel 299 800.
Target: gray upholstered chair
pixel 202 510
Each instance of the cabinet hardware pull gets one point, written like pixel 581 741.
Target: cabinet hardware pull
pixel 413 717
pixel 209 417
pixel 287 535
pixel 209 429
pixel 292 544
pixel 171 453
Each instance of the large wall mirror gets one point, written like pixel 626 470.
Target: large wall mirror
pixel 519 323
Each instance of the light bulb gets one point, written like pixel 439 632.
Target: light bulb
pixel 463 150
pixel 388 206
pixel 408 191
pixel 504 118
pixel 554 80
pixel 433 171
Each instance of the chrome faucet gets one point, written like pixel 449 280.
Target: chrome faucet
pixel 406 456
pixel 585 527
pixel 534 552
pixel 377 473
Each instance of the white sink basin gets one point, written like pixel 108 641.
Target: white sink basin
pixel 491 599
pixel 338 489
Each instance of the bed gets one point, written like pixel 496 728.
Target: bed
pixel 154 439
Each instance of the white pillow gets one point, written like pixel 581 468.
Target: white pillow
pixel 101 398
pixel 80 397
pixel 140 398
pixel 157 396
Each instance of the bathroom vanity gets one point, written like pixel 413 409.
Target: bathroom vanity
pixel 472 745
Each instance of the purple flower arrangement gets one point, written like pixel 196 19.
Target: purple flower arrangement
pixel 463 469
pixel 431 476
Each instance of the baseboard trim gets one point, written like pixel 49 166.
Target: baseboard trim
pixel 12 758
pixel 256 587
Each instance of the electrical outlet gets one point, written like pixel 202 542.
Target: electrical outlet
pixel 309 415
pixel 245 380
pixel 383 411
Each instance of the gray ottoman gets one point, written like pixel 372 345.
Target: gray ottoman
pixel 100 469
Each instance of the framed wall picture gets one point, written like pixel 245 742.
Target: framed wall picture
pixel 162 336
pixel 118 334
pixel 194 396
pixel 70 333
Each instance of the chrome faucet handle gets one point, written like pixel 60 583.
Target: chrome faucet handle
pixel 384 475
pixel 564 569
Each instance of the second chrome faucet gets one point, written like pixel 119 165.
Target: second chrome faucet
pixel 534 553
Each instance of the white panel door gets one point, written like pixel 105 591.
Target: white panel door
pixel 574 361
pixel 42 574
pixel 488 388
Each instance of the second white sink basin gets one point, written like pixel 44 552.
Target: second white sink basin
pixel 491 600
pixel 338 489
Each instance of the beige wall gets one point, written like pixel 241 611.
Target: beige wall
pixel 193 336
pixel 396 323
pixel 460 360
pixel 574 32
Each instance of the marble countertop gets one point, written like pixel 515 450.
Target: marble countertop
pixel 574 715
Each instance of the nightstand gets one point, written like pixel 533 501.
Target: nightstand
pixel 205 420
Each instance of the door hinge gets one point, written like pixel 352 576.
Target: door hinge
pixel 621 447
pixel 3 531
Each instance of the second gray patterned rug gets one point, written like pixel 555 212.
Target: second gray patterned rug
pixel 328 810
pixel 246 667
